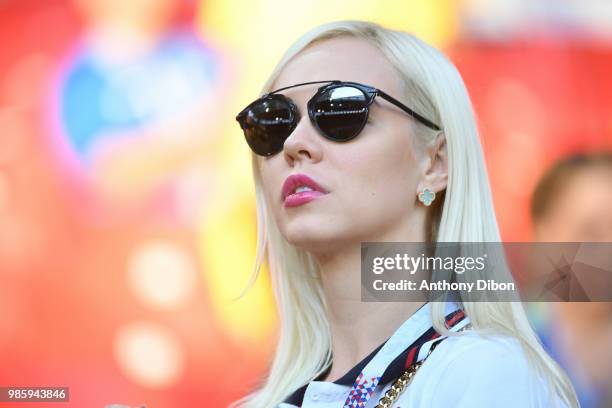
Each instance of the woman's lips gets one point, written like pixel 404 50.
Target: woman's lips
pixel 293 193
pixel 293 200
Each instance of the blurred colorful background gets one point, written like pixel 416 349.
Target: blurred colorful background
pixel 127 212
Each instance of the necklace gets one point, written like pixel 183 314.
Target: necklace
pixel 400 384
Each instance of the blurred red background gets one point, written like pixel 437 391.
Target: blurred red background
pixel 83 300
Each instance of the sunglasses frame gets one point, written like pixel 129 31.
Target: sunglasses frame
pixel 369 92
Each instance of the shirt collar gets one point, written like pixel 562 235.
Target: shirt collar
pixel 403 347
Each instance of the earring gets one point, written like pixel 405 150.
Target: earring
pixel 427 196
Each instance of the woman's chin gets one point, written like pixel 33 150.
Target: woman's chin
pixel 321 244
pixel 311 239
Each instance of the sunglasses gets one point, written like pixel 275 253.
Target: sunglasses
pixel 338 110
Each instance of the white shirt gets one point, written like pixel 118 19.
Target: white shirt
pixel 467 371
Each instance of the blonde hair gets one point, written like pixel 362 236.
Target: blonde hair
pixel 436 90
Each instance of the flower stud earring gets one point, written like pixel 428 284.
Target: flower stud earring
pixel 427 196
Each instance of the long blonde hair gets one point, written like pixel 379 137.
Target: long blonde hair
pixel 436 90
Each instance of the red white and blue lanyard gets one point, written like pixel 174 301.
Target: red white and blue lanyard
pixel 364 385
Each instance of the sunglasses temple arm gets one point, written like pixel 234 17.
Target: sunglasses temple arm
pixel 406 109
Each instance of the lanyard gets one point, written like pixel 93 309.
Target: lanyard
pixel 364 386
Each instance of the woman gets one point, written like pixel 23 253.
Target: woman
pixel 370 137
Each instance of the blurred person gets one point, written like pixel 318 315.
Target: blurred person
pixel 366 134
pixel 571 203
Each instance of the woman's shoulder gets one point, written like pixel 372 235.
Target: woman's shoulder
pixel 473 359
pixel 478 370
pixel 473 349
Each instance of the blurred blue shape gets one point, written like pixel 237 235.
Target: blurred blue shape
pixel 98 99
pixel 543 319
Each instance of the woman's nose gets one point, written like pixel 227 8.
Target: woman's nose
pixel 303 144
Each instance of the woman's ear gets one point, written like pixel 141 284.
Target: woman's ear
pixel 435 169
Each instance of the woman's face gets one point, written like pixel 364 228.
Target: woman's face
pixel 371 181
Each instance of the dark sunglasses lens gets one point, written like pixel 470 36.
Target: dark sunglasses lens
pixel 340 112
pixel 268 124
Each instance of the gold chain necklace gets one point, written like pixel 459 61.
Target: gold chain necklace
pixel 400 384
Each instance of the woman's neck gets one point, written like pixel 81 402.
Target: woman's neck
pixel 357 327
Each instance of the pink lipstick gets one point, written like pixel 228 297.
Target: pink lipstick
pixel 300 189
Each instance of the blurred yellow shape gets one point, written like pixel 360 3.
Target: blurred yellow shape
pixel 228 246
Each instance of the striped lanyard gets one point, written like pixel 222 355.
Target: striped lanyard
pixel 364 386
